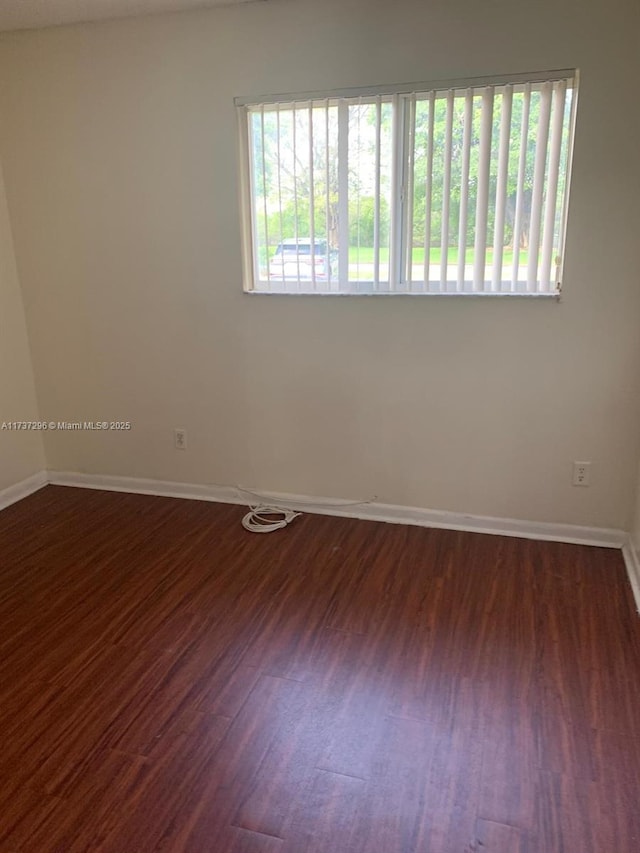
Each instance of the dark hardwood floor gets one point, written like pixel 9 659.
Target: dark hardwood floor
pixel 171 682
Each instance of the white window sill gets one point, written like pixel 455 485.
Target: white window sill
pixel 554 296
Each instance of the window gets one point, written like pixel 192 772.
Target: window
pixel 459 188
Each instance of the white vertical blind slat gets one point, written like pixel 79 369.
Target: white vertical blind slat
pixel 446 192
pixel 397 179
pixel 250 142
pixel 280 187
pixel 264 196
pixel 376 211
pixel 428 193
pixel 312 192
pixel 538 186
pixel 522 166
pixel 295 197
pixel 464 188
pixel 343 192
pixel 411 137
pixel 555 146
pixel 501 188
pixel 482 205
pixel 570 95
pixel 358 182
pixel 327 192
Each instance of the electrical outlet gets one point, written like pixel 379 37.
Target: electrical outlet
pixel 581 473
pixel 180 439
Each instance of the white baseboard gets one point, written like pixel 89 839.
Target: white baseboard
pixel 632 562
pixel 603 537
pixel 23 489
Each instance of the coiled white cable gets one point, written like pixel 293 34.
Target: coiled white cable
pixel 316 504
pixel 263 518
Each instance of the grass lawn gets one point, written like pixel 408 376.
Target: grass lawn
pixel 365 255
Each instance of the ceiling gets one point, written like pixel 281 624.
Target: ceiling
pixel 29 14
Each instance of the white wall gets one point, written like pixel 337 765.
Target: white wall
pixel 21 452
pixel 119 148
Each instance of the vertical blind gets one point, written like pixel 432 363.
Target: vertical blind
pixel 454 189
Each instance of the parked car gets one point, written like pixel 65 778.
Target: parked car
pixel 292 260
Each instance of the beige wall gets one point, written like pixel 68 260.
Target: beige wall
pixel 21 452
pixel 119 148
pixel 635 524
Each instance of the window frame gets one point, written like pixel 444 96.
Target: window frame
pixel 399 207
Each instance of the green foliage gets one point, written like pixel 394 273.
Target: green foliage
pixel 288 167
pixel 457 149
pixel 362 221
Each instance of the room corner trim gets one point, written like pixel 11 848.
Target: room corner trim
pixel 632 562
pixel 393 513
pixel 23 489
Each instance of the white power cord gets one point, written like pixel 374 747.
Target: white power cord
pixel 319 504
pixel 265 519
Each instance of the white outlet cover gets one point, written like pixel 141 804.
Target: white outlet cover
pixel 581 473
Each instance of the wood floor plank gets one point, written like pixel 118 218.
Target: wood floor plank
pixel 23 812
pixel 494 837
pixel 130 802
pixel 328 817
pixel 396 813
pixel 270 711
pixel 509 775
pixel 578 814
pixel 355 730
pixel 240 840
pixel 171 682
pixel 268 799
